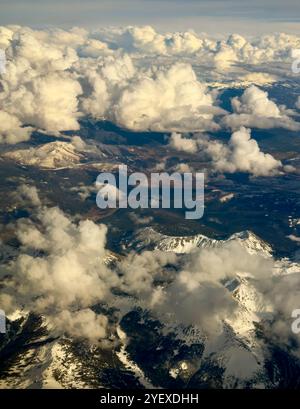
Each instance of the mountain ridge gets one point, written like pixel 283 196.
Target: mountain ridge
pixel 148 238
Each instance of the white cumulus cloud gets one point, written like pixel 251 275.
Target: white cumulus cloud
pixel 255 109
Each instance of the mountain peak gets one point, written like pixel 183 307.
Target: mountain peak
pixel 148 238
pixel 51 155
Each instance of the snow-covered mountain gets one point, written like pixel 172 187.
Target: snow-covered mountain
pixel 181 356
pixel 51 155
pixel 60 155
pixel 148 238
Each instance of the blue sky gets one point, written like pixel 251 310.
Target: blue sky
pixel 213 16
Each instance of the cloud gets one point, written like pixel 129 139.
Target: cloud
pixel 78 143
pixel 223 54
pixel 60 272
pixel 259 78
pixel 242 364
pixel 135 77
pixel 178 142
pixel 146 40
pixel 103 81
pixel 169 99
pixel 268 48
pixel 82 324
pixel 294 238
pixel 85 191
pixel 5 37
pixel 139 271
pixel 205 307
pixel 193 293
pixel 38 91
pixel 225 57
pixel 48 102
pixel 183 168
pixel 28 195
pixel 242 154
pixel 48 86
pixel 254 109
pixel 11 130
pixel 140 220
pixel 254 101
pixel 281 294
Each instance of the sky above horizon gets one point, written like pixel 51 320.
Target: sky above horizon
pixel 212 16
